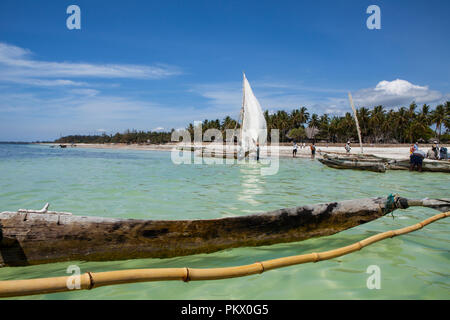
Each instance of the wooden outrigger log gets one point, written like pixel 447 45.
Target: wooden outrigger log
pixel 30 237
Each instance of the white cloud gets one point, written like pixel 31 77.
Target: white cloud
pixel 85 92
pixel 77 113
pixel 18 65
pixel 41 82
pixel 395 93
pixel 221 95
pixel 226 98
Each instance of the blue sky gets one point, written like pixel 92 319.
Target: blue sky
pixel 162 64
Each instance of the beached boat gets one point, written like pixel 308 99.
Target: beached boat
pixel 30 237
pixel 354 164
pixel 379 164
pixel 369 162
pixel 427 165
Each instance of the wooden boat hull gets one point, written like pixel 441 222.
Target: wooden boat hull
pixel 353 164
pixel 374 163
pixel 43 237
pixel 427 165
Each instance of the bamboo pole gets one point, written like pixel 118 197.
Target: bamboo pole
pixel 356 120
pixel 90 280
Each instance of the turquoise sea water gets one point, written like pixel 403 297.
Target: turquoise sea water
pixel 146 184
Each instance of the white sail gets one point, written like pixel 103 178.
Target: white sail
pixel 254 127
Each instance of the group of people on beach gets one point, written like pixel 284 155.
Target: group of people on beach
pixel 303 146
pixel 416 156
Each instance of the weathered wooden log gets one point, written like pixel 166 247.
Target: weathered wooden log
pixel 354 164
pixel 35 238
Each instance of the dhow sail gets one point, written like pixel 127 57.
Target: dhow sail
pixel 254 127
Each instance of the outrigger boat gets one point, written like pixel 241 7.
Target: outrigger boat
pixel 374 163
pixel 379 164
pixel 355 164
pixel 29 237
pixel 252 132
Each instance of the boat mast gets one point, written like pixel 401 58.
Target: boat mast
pixel 243 101
pixel 356 120
pixel 241 114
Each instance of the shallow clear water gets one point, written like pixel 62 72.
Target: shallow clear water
pixel 146 184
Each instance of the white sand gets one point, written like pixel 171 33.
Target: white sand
pixel 284 151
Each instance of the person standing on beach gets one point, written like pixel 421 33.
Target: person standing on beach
pixel 257 151
pixel 313 150
pixel 435 149
pixel 416 159
pixel 294 150
pixel 411 150
pixel 347 147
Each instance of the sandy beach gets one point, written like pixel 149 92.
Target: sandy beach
pixel 285 151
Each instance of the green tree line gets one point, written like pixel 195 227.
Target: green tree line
pixel 378 125
pixel 128 137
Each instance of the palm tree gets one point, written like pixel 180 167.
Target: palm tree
pixel 304 115
pixel 425 114
pixel 334 128
pixel 438 117
pixel 363 115
pixel 405 124
pixel 402 120
pixel 297 134
pixel 348 126
pixel 295 118
pixel 388 126
pixel 447 115
pixel 314 122
pixel 324 125
pixel 228 123
pixel 281 122
pixel 376 121
pixel 412 111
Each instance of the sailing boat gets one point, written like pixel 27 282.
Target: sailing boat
pixel 253 123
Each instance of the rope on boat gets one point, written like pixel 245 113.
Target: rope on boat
pixel 91 280
pixel 394 201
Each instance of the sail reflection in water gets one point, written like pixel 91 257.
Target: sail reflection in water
pixel 252 185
